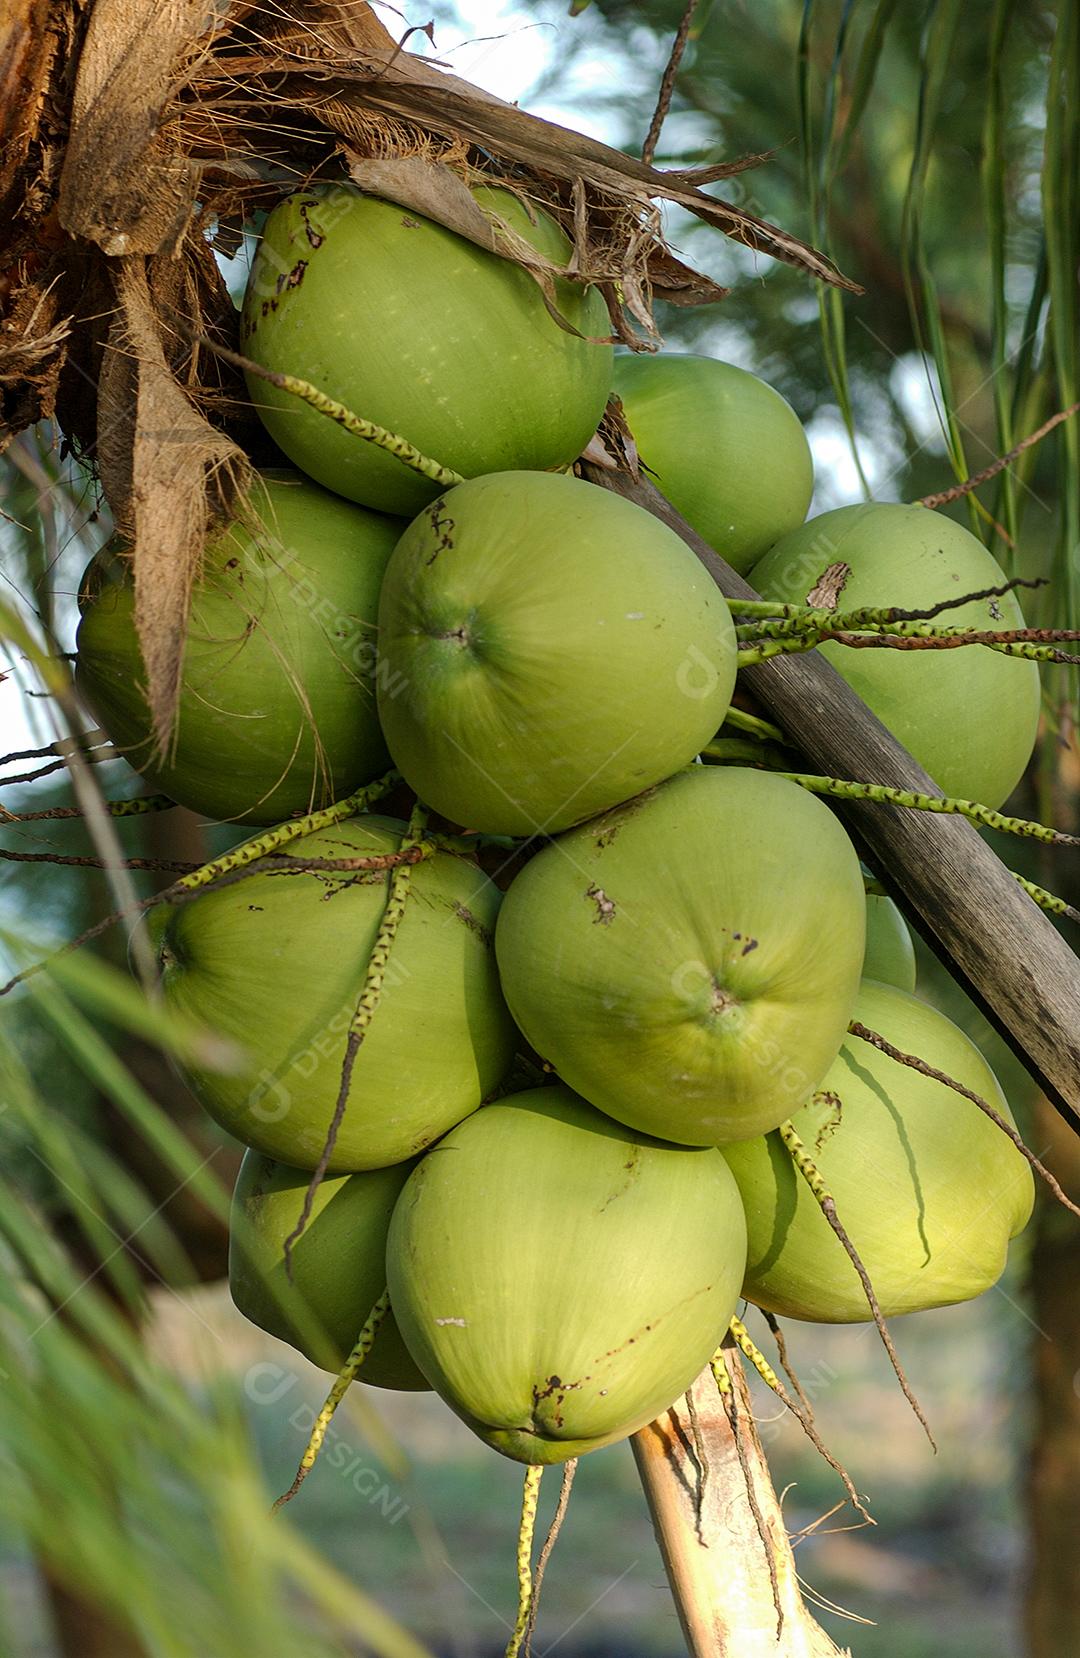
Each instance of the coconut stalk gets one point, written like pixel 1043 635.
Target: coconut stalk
pixel 731 1570
pixel 988 932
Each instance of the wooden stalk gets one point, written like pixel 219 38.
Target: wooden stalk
pixel 730 1603
pixel 993 939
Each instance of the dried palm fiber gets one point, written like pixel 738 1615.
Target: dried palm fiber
pixel 135 139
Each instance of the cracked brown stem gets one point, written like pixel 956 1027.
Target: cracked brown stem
pixel 730 1404
pixel 724 1590
pixel 702 1457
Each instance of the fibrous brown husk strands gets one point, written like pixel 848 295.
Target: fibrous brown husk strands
pixel 164 469
pixel 136 138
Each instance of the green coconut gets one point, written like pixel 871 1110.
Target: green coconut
pixel 276 713
pixel 689 961
pixel 276 962
pixel 559 1279
pixel 425 333
pixel 969 716
pixel 338 1263
pixel 546 650
pixel 890 952
pixel 724 447
pixel 929 1190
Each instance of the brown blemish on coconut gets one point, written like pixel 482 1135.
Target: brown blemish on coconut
pixel 826 591
pixel 555 1389
pixel 315 237
pixel 609 825
pixel 835 1107
pixel 442 527
pixel 631 1168
pixel 631 1341
pixel 553 1385
pixel 605 906
pixel 646 1329
pixel 474 924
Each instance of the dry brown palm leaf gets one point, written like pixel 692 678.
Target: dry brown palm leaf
pixel 164 469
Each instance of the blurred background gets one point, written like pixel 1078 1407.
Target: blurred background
pixel 934 150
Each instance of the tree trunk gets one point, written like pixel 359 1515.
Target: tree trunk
pixel 1053 1594
pixel 732 1602
pixel 83 1628
pixel 1053 1602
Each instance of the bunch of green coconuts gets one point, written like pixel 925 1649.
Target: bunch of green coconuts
pixel 560 1145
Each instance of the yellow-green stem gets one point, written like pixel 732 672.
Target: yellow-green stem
pixel 354 424
pixel 272 840
pixel 529 1497
pixel 368 1001
pixel 884 795
pixel 365 1341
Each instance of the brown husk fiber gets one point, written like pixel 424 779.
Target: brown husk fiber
pixel 135 137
